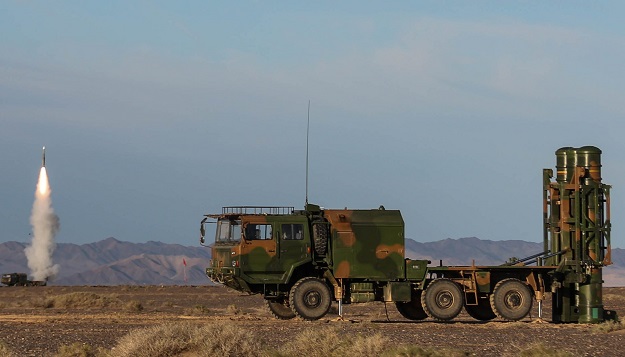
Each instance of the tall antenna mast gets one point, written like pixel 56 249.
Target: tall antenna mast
pixel 307 132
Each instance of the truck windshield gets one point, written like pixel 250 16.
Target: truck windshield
pixel 228 231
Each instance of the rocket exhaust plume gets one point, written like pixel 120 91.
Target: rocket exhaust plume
pixel 45 225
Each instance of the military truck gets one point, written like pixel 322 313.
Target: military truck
pixel 303 260
pixel 20 279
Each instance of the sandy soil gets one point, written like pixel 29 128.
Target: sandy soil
pixel 31 327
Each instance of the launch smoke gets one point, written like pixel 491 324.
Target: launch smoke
pixel 45 224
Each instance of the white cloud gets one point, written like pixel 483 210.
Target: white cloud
pixel 438 100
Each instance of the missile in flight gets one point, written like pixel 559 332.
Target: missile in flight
pixel 43 157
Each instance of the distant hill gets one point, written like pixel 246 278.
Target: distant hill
pixel 464 251
pixel 113 262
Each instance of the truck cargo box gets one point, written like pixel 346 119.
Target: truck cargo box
pixel 367 243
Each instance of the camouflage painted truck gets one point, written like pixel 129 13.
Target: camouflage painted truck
pixel 20 279
pixel 303 260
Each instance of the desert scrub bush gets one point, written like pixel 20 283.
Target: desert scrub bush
pixel 78 349
pixel 5 350
pixel 197 310
pixel 175 339
pixel 43 302
pixel 367 345
pixel 233 310
pixel 612 296
pixel 167 304
pixel 82 300
pixel 540 350
pixel 608 326
pixel 133 306
pixel 416 351
pixel 330 341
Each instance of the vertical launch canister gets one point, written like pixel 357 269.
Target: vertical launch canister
pixel 577 232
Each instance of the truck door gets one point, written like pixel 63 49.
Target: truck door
pixel 293 246
pixel 259 252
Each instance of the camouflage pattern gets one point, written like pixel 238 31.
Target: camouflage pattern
pixel 267 250
pixel 301 259
pixel 368 244
pixel 577 232
pixel 361 244
pixel 14 279
pixel 20 279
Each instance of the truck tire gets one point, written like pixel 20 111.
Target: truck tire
pixel 320 237
pixel 482 311
pixel 511 299
pixel 280 309
pixel 310 299
pixel 411 310
pixel 442 299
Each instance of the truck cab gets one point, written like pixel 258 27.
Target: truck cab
pixel 255 245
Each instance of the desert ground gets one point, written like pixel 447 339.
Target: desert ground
pixel 38 321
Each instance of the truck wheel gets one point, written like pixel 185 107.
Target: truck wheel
pixel 482 311
pixel 511 299
pixel 320 237
pixel 442 299
pixel 310 298
pixel 412 310
pixel 280 309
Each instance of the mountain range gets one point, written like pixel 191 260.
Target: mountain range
pixel 114 262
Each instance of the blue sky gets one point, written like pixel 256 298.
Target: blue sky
pixel 154 113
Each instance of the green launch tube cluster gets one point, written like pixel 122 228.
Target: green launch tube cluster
pixel 577 233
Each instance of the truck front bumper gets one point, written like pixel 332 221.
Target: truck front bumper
pixel 229 277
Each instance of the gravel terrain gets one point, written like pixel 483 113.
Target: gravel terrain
pixel 36 321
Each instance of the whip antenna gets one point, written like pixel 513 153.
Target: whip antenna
pixel 307 134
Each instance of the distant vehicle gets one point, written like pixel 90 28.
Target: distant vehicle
pixel 21 279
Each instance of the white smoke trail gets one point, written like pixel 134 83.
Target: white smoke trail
pixel 45 226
